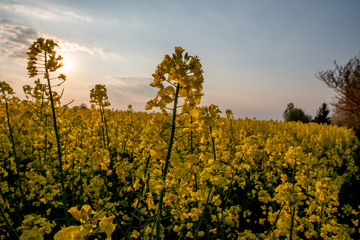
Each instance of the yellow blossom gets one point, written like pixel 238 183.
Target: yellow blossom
pixel 135 234
pixel 107 226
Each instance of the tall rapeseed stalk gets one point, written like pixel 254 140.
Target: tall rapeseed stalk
pixel 43 59
pixel 183 76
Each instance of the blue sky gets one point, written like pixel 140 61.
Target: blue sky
pixel 257 55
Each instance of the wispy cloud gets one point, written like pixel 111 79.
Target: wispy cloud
pixel 125 90
pixel 106 54
pixel 4 52
pixel 129 81
pixel 15 40
pixel 46 11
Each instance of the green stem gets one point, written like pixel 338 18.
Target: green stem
pixel 276 220
pixel 17 163
pixel 167 161
pixel 292 223
pixel 225 207
pixel 321 216
pixel 213 144
pixel 293 207
pixel 138 203
pixel 7 221
pixel 106 142
pixel 106 139
pixel 219 224
pixel 202 215
pixel 111 165
pixel 102 126
pixel 192 150
pixel 73 182
pixel 191 137
pixel 208 197
pixel 106 130
pixel 67 219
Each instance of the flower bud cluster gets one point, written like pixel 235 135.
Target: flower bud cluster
pixel 179 71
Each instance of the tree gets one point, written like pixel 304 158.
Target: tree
pixel 295 114
pixel 287 110
pixel 345 80
pixel 322 114
pixel 83 106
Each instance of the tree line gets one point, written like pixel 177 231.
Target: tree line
pixel 345 81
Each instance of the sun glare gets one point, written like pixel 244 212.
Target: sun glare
pixel 68 64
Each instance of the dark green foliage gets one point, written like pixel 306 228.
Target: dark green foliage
pixel 322 115
pixel 295 114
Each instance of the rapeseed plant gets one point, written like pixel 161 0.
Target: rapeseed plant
pixel 183 173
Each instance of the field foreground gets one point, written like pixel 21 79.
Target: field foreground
pixel 225 178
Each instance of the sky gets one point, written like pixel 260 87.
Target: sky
pixel 257 55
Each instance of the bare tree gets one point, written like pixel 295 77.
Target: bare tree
pixel 345 80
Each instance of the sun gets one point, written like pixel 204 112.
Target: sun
pixel 68 64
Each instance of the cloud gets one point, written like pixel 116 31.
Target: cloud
pixel 67 46
pixel 125 90
pixel 15 39
pixel 4 52
pixel 129 81
pixel 46 11
pixel 106 54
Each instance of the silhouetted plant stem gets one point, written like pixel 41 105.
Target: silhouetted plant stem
pixel 17 163
pixel 273 226
pixel 293 206
pixel 213 144
pixel 211 188
pixel 292 223
pixel 191 136
pixel 321 216
pixel 138 203
pixel 7 221
pixel 57 135
pixel 102 127
pixel 192 150
pixel 202 215
pixel 167 161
